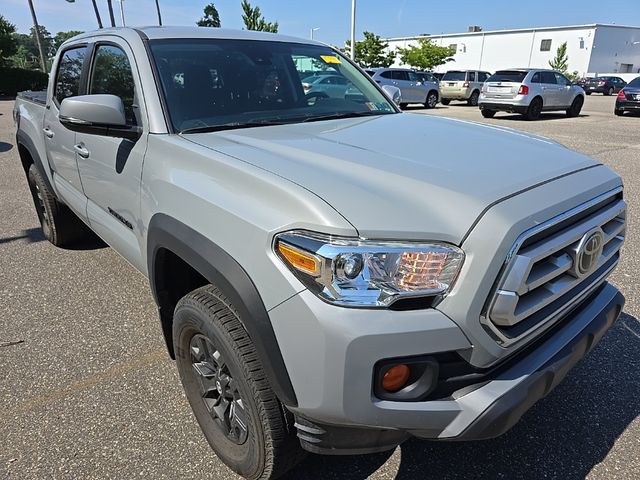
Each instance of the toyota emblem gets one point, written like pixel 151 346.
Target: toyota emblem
pixel 589 251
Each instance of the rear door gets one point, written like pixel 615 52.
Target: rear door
pixel 111 168
pixel 549 86
pixel 58 139
pixel 401 80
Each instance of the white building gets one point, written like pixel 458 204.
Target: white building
pixel 595 48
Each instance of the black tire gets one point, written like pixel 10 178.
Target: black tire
pixel 534 110
pixel 608 92
pixel 488 113
pixel 403 105
pixel 206 324
pixel 59 224
pixel 432 100
pixel 473 99
pixel 445 101
pixel 576 107
pixel 618 112
pixel 587 93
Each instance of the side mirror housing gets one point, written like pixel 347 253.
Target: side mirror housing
pixel 97 115
pixel 394 93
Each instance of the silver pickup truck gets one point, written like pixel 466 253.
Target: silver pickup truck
pixel 325 282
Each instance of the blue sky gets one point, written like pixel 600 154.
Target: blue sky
pixel 388 18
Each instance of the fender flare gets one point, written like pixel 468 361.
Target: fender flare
pixel 22 139
pixel 222 270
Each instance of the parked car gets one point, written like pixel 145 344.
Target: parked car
pixel 428 77
pixel 323 281
pixel 605 85
pixel 583 81
pixel 438 75
pixel 628 99
pixel 530 92
pixel 462 85
pixel 332 85
pixel 414 87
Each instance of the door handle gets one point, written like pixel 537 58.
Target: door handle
pixel 81 150
pixel 48 132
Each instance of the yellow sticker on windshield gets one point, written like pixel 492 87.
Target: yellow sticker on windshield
pixel 330 59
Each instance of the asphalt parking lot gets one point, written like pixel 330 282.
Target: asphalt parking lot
pixel 87 390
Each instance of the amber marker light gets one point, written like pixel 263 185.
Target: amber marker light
pixel 303 261
pixel 395 378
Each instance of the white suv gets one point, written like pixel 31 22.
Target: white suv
pixel 530 92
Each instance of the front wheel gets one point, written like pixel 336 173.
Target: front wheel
pixel 225 384
pixel 445 101
pixel 576 107
pixel 609 92
pixel 431 100
pixel 488 113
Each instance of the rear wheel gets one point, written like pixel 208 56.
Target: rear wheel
pixel 473 99
pixel 534 110
pixel 588 93
pixel 445 101
pixel 431 100
pixel 239 414
pixel 576 107
pixel 59 224
pixel 609 91
pixel 403 105
pixel 618 112
pixel 488 113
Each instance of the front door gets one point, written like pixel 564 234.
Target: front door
pixel 111 168
pixel 565 92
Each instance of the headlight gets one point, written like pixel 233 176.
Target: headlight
pixel 361 273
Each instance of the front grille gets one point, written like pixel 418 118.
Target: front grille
pixel 552 267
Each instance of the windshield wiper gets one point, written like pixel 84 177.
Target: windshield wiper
pixel 338 115
pixel 232 125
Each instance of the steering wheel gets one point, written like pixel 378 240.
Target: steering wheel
pixel 312 97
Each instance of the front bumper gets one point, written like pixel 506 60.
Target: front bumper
pixel 331 370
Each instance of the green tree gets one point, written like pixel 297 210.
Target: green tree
pixel 372 51
pixel 253 19
pixel 8 43
pixel 61 37
pixel 425 55
pixel 211 17
pixel 561 60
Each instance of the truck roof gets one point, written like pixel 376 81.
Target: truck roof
pixel 156 32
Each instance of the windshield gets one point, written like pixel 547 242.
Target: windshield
pixel 508 76
pixel 215 84
pixel 455 76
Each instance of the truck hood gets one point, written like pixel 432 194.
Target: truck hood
pixel 403 176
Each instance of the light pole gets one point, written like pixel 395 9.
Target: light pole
pixel 353 30
pixel 314 30
pixel 36 27
pixel 111 17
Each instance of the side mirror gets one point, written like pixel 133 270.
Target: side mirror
pixel 97 115
pixel 394 93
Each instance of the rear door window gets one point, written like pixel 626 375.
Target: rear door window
pixel 69 73
pixel 400 75
pixel 548 77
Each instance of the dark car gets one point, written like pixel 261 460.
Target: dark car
pixel 583 81
pixel 604 85
pixel 629 98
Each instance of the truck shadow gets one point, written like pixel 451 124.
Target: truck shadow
pixel 564 436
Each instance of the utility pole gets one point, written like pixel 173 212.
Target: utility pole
pixel 113 20
pixel 122 11
pixel 353 30
pixel 95 9
pixel 43 61
pixel 158 9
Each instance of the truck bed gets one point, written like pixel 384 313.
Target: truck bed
pixel 39 97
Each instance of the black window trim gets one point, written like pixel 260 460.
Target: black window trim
pixel 83 72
